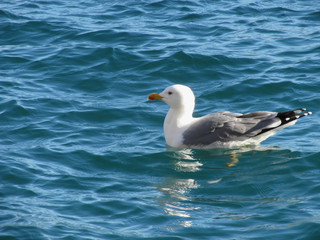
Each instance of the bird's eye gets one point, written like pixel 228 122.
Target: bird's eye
pixel 170 93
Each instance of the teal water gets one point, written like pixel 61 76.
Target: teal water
pixel 82 150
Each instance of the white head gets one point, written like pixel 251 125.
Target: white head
pixel 178 97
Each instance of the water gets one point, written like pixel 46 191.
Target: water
pixel 82 150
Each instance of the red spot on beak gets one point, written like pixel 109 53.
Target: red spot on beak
pixel 154 96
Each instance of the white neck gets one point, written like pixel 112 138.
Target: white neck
pixel 175 122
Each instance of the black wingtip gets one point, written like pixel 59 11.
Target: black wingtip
pixel 286 117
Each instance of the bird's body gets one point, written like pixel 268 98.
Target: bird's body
pixel 221 129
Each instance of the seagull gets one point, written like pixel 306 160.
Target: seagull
pixel 217 130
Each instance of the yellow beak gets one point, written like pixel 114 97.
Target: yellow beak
pixel 154 96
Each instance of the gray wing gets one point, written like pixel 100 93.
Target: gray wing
pixel 227 126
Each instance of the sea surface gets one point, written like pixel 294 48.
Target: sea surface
pixel 82 150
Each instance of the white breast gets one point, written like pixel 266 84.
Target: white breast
pixel 174 126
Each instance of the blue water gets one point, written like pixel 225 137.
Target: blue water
pixel 83 154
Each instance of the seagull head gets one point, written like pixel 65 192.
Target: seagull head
pixel 178 97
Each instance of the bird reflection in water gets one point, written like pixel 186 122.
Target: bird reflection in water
pixel 175 200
